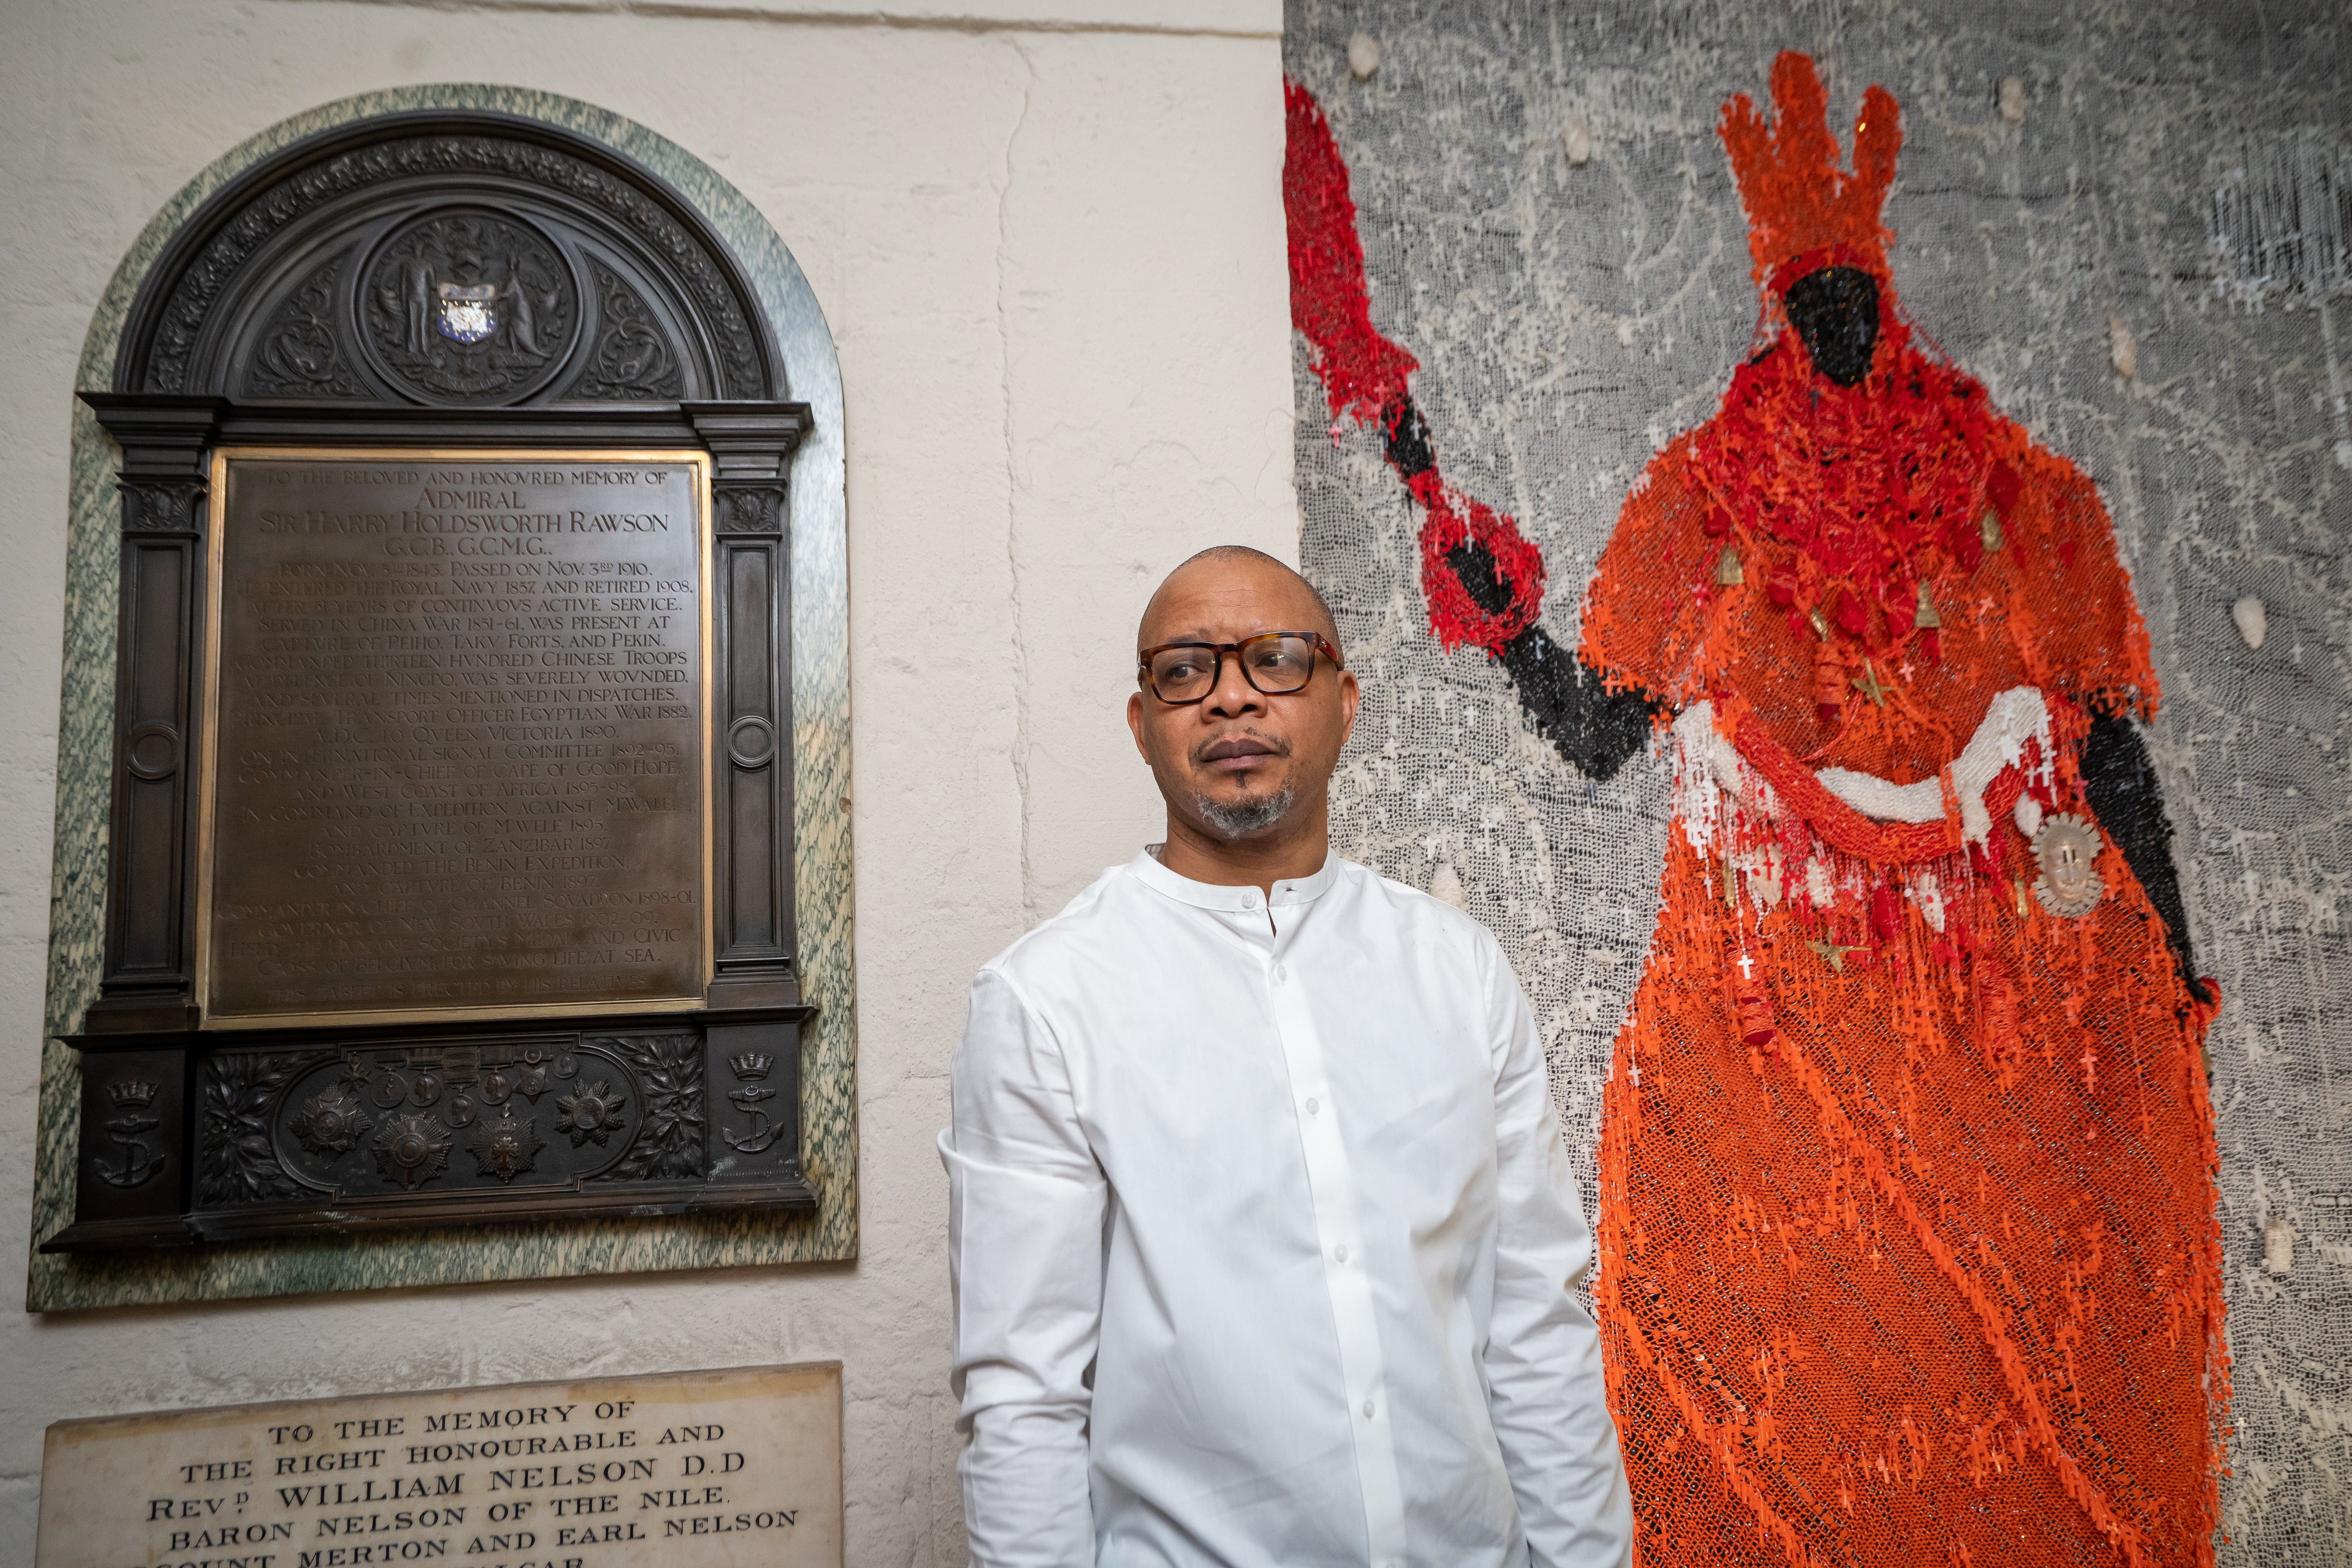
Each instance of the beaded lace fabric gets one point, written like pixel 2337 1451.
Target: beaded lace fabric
pixel 1926 1231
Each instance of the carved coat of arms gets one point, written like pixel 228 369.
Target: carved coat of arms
pixel 466 305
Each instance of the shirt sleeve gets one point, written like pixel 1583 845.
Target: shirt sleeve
pixel 1026 1206
pixel 1545 1390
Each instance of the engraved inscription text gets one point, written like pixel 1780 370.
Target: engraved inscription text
pixel 457 761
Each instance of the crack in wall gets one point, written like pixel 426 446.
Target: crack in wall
pixel 1021 736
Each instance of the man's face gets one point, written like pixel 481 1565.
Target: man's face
pixel 1239 763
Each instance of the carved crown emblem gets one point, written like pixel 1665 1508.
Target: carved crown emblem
pixel 132 1094
pixel 752 1064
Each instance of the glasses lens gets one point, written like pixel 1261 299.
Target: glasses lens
pixel 1281 664
pixel 1183 673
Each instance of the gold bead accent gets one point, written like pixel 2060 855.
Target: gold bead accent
pixel 1870 685
pixel 1925 616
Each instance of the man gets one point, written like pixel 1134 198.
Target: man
pixel 1262 1231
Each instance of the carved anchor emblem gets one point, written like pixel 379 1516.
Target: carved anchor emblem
pixel 139 1162
pixel 748 1067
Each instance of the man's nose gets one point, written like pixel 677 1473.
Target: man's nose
pixel 1235 695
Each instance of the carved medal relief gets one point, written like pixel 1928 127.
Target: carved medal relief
pixel 468 306
pixel 360 1121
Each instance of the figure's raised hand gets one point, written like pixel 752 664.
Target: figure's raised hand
pixel 1481 578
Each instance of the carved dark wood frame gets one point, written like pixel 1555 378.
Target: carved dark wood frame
pixel 182 1128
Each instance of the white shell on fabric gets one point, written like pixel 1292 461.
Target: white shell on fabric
pixel 2067 850
pixel 1363 56
pixel 2278 1246
pixel 2027 814
pixel 1576 141
pixel 1445 886
pixel 2122 352
pixel 2253 621
pixel 2013 99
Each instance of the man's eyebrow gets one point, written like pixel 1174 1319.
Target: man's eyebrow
pixel 1198 634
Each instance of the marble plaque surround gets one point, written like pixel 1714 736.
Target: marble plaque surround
pixel 821 807
pixel 688 1470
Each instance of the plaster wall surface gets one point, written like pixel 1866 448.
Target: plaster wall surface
pixel 1048 238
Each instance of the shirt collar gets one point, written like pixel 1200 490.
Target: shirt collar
pixel 1146 867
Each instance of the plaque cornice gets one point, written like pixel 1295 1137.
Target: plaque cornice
pixel 173 343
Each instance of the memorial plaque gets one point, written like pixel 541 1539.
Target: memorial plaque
pixel 449 860
pixel 458 751
pixel 692 1470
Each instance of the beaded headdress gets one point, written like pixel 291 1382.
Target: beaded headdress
pixel 1801 206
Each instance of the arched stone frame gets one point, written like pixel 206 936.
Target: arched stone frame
pixel 820 786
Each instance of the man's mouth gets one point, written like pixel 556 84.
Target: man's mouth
pixel 1236 755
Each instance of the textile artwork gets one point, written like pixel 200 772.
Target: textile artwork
pixel 1810 753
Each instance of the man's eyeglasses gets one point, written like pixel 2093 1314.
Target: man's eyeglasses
pixel 1275 664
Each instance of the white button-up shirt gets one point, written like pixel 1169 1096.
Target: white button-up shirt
pixel 1263 1235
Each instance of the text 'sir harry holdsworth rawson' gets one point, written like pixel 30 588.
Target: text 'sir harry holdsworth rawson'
pixel 450 872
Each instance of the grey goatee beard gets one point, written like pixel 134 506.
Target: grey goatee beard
pixel 1250 816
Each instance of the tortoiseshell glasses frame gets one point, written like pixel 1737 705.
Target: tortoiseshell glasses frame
pixel 1149 671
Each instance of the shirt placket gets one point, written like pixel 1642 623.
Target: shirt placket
pixel 1331 1181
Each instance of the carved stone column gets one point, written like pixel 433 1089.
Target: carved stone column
pixel 751 446
pixel 752 1057
pixel 148 980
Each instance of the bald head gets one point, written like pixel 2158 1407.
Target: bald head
pixel 1230 573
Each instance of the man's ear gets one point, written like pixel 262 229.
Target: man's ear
pixel 1350 696
pixel 1135 724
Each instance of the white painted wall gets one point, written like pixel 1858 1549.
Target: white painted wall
pixel 1049 239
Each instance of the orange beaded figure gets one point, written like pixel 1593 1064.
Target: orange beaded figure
pixel 1907 1241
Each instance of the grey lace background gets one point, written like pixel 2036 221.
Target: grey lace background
pixel 2184 169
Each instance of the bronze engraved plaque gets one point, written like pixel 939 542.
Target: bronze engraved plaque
pixel 457 756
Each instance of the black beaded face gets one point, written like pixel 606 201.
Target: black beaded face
pixel 1836 314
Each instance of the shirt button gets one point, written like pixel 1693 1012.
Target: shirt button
pixel 1312 1106
pixel 1340 1252
pixel 1280 972
pixel 1367 1410
pixel 1249 900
